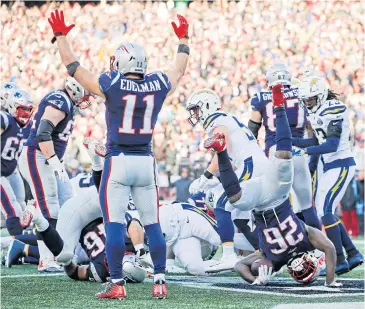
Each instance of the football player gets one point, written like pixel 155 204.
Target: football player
pixel 187 231
pixel 6 90
pixel 263 112
pixel 245 155
pixel 329 120
pixel 281 233
pixel 133 102
pixel 42 157
pixel 15 128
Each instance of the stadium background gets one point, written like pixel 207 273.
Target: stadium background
pixel 232 45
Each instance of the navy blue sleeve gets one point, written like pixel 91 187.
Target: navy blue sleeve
pixel 304 142
pixel 313 163
pixel 107 79
pixel 4 121
pixel 256 104
pixel 330 145
pixel 58 101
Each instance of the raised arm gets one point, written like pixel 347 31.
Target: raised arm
pixel 181 62
pixel 87 80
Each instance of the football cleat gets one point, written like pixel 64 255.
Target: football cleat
pixel 159 289
pixel 31 211
pixel 113 290
pixel 173 269
pixel 216 143
pixel 225 263
pixel 15 252
pixel 49 267
pixel 278 95
pixel 94 148
pixel 340 269
pixel 355 261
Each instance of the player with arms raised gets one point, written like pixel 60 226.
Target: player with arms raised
pixel 133 101
pixel 263 111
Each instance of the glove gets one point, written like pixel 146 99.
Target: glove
pixel 297 152
pixel 333 284
pixel 265 273
pixel 181 31
pixel 198 184
pixel 278 95
pixel 58 25
pixel 58 167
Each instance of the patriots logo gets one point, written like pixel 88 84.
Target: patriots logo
pixel 58 103
pixel 17 95
pixel 8 86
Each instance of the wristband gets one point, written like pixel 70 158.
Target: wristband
pixel 208 174
pixel 183 49
pixel 51 157
pixel 72 67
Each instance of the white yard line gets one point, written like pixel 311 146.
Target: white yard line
pixel 32 275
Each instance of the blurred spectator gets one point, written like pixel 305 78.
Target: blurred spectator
pixel 182 186
pixel 73 168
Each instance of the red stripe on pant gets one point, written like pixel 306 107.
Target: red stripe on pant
pixel 106 190
pixel 7 205
pixel 34 175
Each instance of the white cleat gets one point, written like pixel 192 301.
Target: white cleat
pixel 225 263
pixel 173 269
pixel 49 267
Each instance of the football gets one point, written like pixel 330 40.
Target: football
pixel 255 266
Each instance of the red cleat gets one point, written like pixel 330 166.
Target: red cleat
pixel 114 290
pixel 94 147
pixel 278 95
pixel 159 289
pixel 216 143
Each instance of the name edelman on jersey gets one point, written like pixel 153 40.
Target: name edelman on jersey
pixel 289 94
pixel 145 87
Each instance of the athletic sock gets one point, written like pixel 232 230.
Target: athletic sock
pixel 13 226
pixel 97 178
pixel 52 240
pixel 347 242
pixel 311 218
pixel 331 224
pixel 115 249
pixel 157 277
pixel 157 245
pixel 228 177
pixel 283 134
pixel 228 249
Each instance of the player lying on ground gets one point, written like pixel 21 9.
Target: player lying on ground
pixel 282 235
pixel 330 122
pixel 133 102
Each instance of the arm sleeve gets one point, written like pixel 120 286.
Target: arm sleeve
pixel 304 142
pixel 313 163
pixel 165 80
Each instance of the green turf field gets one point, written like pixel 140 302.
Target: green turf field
pixel 23 287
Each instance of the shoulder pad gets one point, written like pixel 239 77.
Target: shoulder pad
pixel 108 79
pixel 59 100
pixel 212 117
pixel 333 108
pixel 165 80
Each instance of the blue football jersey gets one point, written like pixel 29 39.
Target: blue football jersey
pixel 132 108
pixel 12 141
pixel 281 233
pixel 262 102
pixel 59 100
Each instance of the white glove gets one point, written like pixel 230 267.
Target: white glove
pixel 198 184
pixel 265 273
pixel 333 284
pixel 297 152
pixel 58 167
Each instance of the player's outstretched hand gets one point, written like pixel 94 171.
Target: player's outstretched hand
pixel 182 30
pixel 265 274
pixel 278 95
pixel 333 284
pixel 57 22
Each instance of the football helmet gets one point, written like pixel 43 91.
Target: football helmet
pixel 80 96
pixel 6 90
pixel 278 74
pixel 129 58
pixel 313 92
pixel 304 267
pixel 132 270
pixel 201 104
pixel 20 106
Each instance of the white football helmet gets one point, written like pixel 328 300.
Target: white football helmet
pixel 20 106
pixel 304 267
pixel 294 83
pixel 6 90
pixel 129 58
pixel 278 74
pixel 313 92
pixel 80 96
pixel 133 272
pixel 201 104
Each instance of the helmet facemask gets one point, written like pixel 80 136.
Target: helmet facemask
pixel 195 114
pixel 304 268
pixel 23 113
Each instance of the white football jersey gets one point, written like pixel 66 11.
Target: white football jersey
pixel 83 184
pixel 332 110
pixel 243 142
